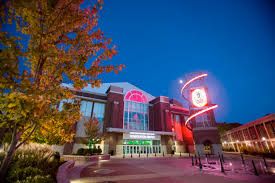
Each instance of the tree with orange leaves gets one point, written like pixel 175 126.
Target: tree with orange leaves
pixel 92 130
pixel 64 44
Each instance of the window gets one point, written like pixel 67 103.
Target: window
pixel 97 109
pixel 246 135
pixel 177 126
pixel 261 130
pixel 86 108
pixel 60 108
pixel 203 120
pixel 135 111
pixel 98 113
pixel 252 132
pixel 270 126
pixel 240 136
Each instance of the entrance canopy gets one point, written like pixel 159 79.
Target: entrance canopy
pixel 147 133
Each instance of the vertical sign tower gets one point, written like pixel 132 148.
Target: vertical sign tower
pixel 201 120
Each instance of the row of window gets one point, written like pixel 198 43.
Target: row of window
pixel 89 109
pixel 252 133
pixel 135 114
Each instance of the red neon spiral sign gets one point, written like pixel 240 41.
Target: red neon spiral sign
pixel 201 94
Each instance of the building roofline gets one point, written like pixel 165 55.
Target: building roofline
pixel 252 123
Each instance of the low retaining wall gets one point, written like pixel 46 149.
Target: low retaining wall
pixel 62 173
pixel 85 158
pixel 66 170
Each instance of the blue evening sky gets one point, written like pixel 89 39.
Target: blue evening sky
pixel 159 41
pixel 232 40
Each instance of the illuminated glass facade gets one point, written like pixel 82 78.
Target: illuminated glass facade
pixel 123 112
pixel 136 111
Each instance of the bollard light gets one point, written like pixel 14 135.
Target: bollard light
pixel 242 159
pixel 255 169
pixel 222 169
pixel 222 158
pixel 200 163
pixel 265 161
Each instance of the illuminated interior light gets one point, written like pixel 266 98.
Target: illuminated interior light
pixel 263 138
pixel 200 112
pixel 191 80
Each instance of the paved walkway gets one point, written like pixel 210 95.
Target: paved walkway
pixel 171 170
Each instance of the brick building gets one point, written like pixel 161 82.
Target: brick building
pixel 258 135
pixel 132 120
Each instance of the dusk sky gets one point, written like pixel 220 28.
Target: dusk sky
pixel 233 41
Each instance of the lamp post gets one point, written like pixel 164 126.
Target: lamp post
pixel 238 149
pixel 264 139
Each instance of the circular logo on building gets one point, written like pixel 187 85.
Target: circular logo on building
pixel 199 98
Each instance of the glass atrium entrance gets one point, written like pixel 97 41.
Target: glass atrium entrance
pixel 141 146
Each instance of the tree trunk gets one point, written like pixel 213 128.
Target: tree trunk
pixel 7 160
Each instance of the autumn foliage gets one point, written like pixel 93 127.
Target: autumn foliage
pixel 55 41
pixel 92 130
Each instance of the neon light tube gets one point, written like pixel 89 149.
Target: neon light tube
pixel 200 112
pixel 191 80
